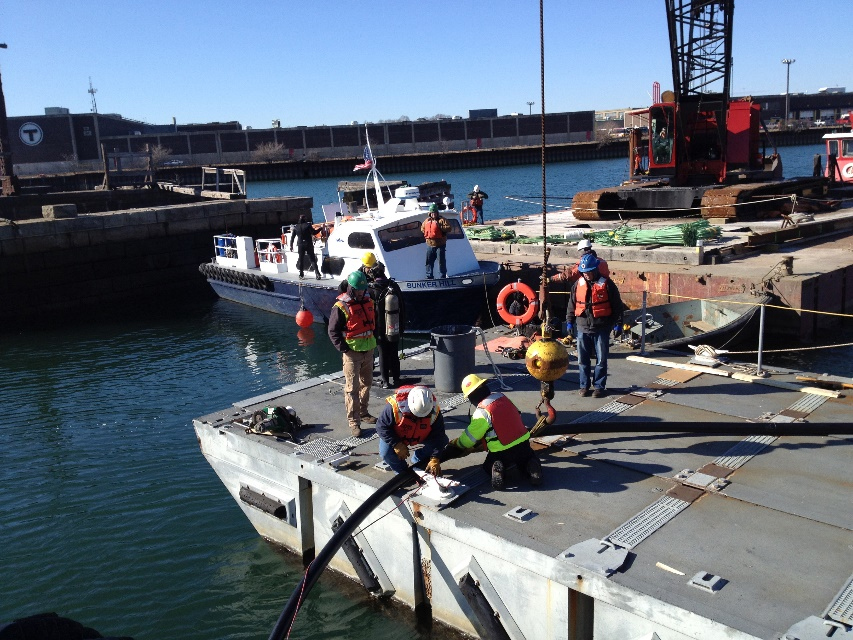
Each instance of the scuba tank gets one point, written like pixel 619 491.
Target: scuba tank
pixel 392 315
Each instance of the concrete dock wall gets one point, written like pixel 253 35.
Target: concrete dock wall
pixel 49 268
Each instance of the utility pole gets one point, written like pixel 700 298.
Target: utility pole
pixel 530 104
pixel 7 186
pixel 789 62
pixel 92 91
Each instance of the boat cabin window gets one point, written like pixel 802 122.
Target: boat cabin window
pixel 832 148
pixel 360 240
pixel 409 234
pixel 401 236
pixel 847 149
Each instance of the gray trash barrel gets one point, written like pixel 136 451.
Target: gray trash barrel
pixel 452 355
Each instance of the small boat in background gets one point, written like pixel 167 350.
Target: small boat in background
pixel 715 322
pixel 263 273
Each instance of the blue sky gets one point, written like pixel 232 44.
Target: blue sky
pixel 331 62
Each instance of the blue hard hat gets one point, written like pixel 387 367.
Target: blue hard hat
pixel 588 263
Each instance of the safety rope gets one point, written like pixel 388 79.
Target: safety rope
pixel 793 349
pixel 497 372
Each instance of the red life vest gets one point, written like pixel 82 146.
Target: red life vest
pixel 600 298
pixel 432 230
pixel 360 317
pixel 476 201
pixel 410 428
pixel 506 421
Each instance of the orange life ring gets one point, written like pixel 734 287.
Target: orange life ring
pixel 468 215
pixel 527 292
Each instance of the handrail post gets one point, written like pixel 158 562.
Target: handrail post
pixel 643 327
pixel 758 370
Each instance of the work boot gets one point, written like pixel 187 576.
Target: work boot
pixel 599 393
pixel 583 393
pixel 319 277
pixel 534 470
pixel 355 430
pixel 369 419
pixel 498 475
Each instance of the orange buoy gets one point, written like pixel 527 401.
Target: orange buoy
pixel 304 318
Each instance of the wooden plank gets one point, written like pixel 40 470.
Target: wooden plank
pixel 676 365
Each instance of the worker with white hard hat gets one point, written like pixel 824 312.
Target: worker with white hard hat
pixel 411 416
pixel 476 198
pixel 572 274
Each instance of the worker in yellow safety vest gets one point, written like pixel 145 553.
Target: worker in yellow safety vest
pixel 496 426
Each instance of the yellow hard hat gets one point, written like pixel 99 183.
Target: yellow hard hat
pixel 368 260
pixel 471 382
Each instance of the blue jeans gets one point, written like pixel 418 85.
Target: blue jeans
pixel 431 254
pixel 434 442
pixel 587 342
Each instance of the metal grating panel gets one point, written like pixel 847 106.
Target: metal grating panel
pixel 603 413
pixel 645 523
pixel 741 453
pixel 666 383
pixel 841 610
pixel 808 403
pixel 322 448
pixel 452 402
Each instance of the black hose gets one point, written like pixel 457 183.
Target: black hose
pixel 318 565
pixel 709 428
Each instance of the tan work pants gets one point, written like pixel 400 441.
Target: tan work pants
pixel 358 374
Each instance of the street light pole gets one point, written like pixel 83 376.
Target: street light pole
pixel 7 186
pixel 530 104
pixel 789 62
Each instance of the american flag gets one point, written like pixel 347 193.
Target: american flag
pixel 368 160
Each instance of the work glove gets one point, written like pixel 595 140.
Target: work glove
pixel 401 450
pixel 568 328
pixel 434 467
pixel 617 330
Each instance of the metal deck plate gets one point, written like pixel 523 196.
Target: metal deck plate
pixel 645 523
pixel 743 400
pixel 602 413
pixel 743 451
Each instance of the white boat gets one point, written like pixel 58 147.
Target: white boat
pixel 262 273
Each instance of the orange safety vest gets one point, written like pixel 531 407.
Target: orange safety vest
pixel 476 201
pixel 507 426
pixel 600 298
pixel 432 230
pixel 361 319
pixel 410 428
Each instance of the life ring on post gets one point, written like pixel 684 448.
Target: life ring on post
pixel 468 215
pixel 527 292
pixel 847 171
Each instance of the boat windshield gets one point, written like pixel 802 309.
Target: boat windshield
pixel 409 234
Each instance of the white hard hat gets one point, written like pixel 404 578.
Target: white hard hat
pixel 290 410
pixel 421 401
pixel 584 244
pixel 476 187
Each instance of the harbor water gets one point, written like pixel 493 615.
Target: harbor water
pixel 113 517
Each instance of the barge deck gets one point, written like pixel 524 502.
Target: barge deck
pixel 633 534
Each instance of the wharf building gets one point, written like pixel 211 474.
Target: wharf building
pixel 62 142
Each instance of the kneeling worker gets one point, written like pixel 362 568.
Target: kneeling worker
pixel 497 422
pixel 411 416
